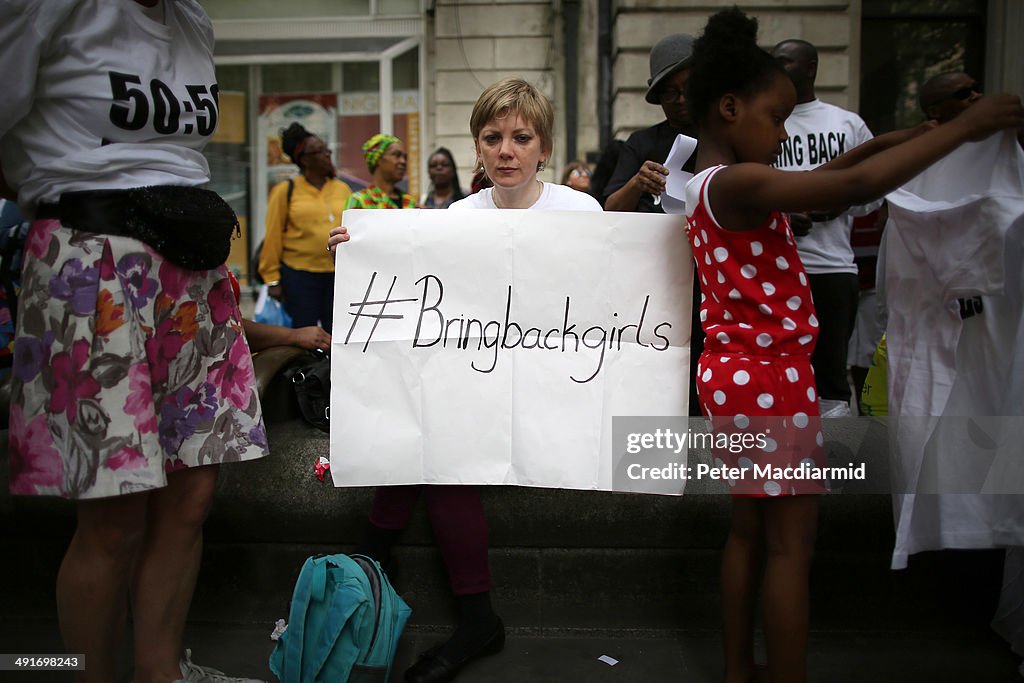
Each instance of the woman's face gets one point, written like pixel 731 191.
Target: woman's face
pixel 316 157
pixel 391 165
pixel 510 150
pixel 441 170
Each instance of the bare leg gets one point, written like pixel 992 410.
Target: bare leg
pixel 741 564
pixel 790 525
pixel 93 582
pixel 166 573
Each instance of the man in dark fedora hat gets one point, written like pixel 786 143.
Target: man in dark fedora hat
pixel 639 177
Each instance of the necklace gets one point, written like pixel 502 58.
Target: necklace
pixel 540 191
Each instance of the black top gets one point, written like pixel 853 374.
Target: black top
pixel 649 144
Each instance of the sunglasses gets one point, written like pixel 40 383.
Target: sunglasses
pixel 965 92
pixel 579 173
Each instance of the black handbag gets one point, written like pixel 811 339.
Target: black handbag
pixel 312 384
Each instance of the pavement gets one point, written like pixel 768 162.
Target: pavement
pixel 570 655
pixel 849 644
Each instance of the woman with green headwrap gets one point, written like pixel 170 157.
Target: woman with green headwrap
pixel 386 159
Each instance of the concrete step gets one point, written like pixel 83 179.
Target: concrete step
pixel 279 499
pixel 560 559
pixel 596 589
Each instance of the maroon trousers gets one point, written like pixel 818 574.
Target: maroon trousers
pixel 457 517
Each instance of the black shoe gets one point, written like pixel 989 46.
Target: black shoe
pixel 434 668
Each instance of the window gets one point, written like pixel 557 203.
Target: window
pixel 906 42
pixel 296 77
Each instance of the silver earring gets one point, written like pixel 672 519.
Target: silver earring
pixel 541 165
pixel 480 167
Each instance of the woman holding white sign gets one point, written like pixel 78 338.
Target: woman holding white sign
pixel 512 126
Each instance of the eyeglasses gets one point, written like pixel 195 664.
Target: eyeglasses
pixel 669 95
pixel 579 173
pixel 965 92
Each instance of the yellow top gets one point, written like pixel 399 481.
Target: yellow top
pixel 302 242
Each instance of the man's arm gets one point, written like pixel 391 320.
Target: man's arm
pixel 619 195
pixel 649 179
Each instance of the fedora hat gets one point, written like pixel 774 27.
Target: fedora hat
pixel 670 54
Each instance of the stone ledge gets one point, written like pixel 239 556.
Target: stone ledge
pixel 278 499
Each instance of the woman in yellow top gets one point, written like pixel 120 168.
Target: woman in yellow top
pixel 300 214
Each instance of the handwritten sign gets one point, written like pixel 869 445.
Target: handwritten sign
pixel 494 347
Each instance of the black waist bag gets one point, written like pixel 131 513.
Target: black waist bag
pixel 189 226
pixel 312 383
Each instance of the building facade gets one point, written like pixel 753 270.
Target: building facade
pixel 350 68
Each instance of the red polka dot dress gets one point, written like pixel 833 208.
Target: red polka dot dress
pixel 755 374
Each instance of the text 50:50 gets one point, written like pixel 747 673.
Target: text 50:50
pixel 166 107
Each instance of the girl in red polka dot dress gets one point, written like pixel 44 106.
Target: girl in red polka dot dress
pixel 755 375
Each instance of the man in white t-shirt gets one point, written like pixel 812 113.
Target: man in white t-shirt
pixel 818 133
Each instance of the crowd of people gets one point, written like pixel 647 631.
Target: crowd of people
pixel 132 381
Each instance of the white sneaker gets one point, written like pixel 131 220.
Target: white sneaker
pixel 193 673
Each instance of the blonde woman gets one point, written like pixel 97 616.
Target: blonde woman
pixel 512 126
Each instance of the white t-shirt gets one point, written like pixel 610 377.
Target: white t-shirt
pixel 819 132
pixel 957 230
pixel 552 197
pixel 99 95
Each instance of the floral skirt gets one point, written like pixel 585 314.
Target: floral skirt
pixel 126 367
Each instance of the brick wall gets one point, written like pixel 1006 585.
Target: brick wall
pixel 474 44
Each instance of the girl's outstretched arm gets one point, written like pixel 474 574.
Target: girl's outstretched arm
pixel 877 144
pixel 744 194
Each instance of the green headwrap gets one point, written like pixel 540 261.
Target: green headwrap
pixel 375 147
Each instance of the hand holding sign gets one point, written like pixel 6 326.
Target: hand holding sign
pixel 337 236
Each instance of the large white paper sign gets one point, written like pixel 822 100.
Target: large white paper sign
pixel 494 347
